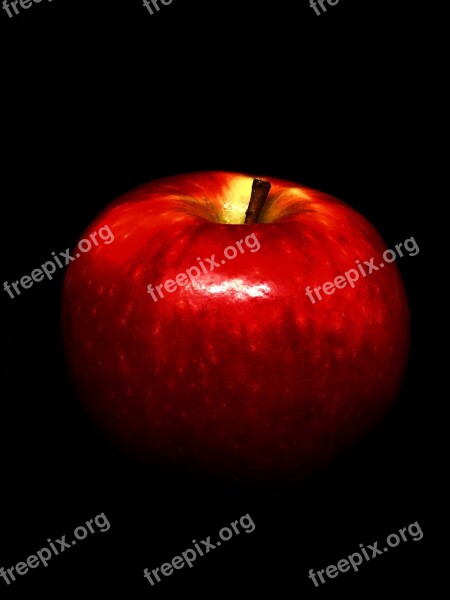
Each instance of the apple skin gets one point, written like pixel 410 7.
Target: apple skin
pixel 238 374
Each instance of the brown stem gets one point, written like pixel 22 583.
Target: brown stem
pixel 260 191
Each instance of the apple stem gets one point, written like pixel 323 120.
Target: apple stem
pixel 260 191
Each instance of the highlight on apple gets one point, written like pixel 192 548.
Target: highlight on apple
pixel 193 273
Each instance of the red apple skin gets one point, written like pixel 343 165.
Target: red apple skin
pixel 239 374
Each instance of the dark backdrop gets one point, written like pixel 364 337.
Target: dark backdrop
pixel 99 97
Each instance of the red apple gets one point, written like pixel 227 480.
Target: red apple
pixel 236 372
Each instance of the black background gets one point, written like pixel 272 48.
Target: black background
pixel 99 97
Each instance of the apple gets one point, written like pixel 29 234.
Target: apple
pixel 236 371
